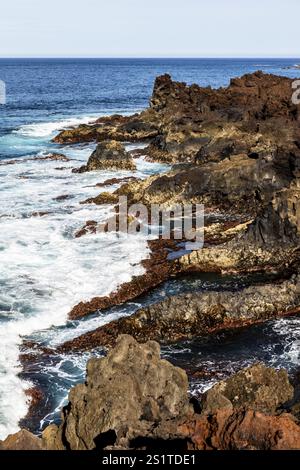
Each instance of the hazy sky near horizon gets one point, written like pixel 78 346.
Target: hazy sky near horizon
pixel 154 28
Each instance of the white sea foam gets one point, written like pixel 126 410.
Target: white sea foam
pixel 289 330
pixel 45 270
pixel 46 129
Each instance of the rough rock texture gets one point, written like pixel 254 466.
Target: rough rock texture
pixel 109 155
pixel 242 430
pixel 191 122
pixel 240 152
pixel 131 393
pixel 22 440
pixel 133 399
pixel 194 314
pixel 258 387
pixel 237 151
pixel 121 128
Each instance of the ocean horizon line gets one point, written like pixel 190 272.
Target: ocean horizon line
pixel 150 58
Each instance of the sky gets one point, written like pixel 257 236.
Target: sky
pixel 149 28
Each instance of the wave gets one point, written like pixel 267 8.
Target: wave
pixel 46 129
pixel 45 271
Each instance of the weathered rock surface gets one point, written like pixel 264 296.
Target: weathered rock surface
pixel 187 123
pixel 242 430
pixel 134 128
pixel 133 399
pixel 22 440
pixel 241 153
pixel 258 387
pixel 130 394
pixel 190 315
pixel 109 155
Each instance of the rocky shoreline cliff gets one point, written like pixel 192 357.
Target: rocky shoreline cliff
pixel 237 151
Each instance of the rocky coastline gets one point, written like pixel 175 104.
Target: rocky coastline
pixel 133 399
pixel 237 151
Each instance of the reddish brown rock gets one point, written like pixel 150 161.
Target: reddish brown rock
pixel 242 430
pixel 89 227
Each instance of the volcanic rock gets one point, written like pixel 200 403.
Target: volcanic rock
pixel 194 314
pixel 131 393
pixel 108 155
pixel 258 388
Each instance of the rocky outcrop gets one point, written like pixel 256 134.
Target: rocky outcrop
pixel 237 185
pixel 22 440
pixel 133 399
pixel 135 128
pixel 191 315
pixel 56 157
pixel 109 155
pixel 242 430
pixel 129 395
pixel 252 116
pixel 258 387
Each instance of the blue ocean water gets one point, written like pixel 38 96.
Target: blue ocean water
pixel 45 271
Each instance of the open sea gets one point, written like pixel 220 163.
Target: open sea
pixel 45 271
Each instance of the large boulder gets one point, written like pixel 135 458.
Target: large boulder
pixel 109 155
pixel 128 395
pixel 257 388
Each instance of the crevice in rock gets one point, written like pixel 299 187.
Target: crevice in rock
pixel 105 439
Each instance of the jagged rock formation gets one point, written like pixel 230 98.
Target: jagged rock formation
pixel 132 399
pixel 109 155
pixel 242 430
pixel 184 123
pixel 236 150
pixel 191 315
pixel 121 128
pixel 239 153
pixel 131 393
